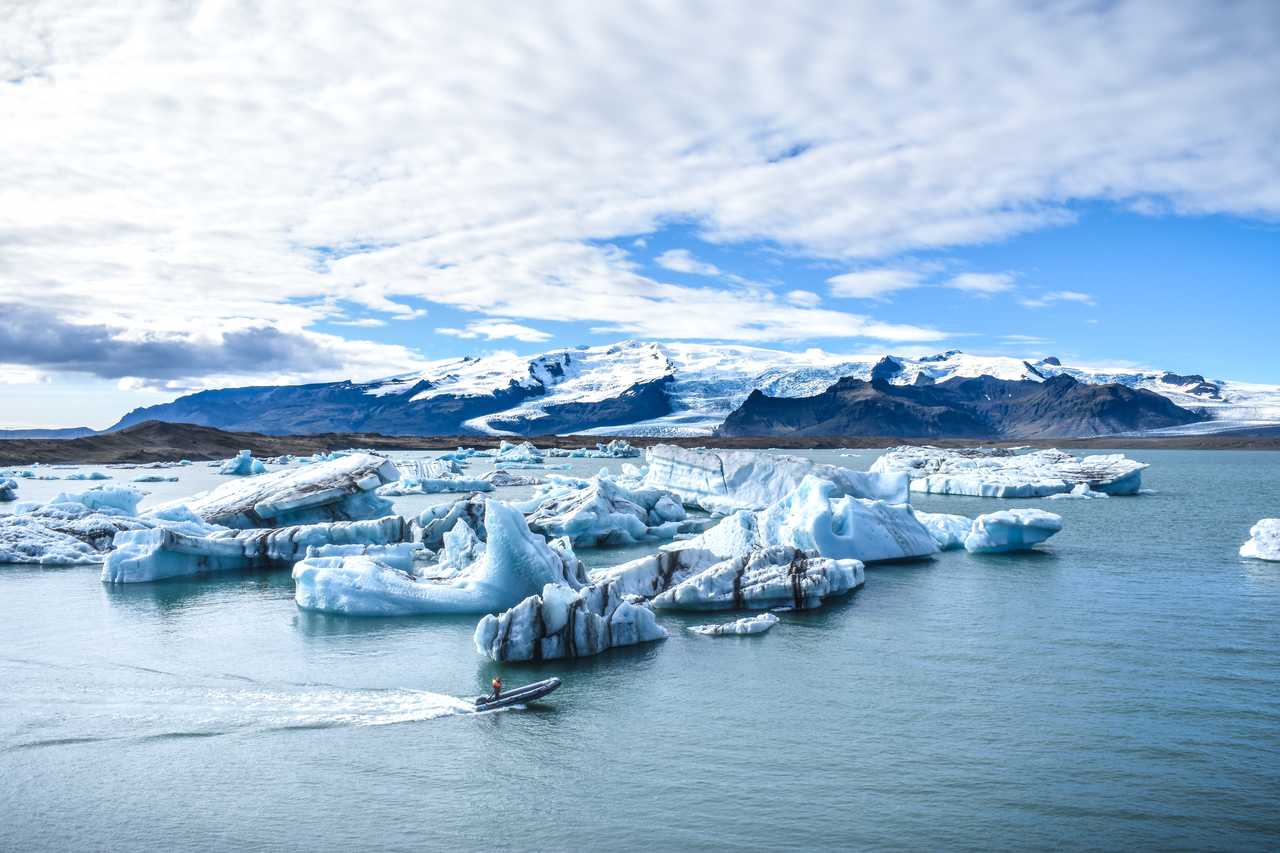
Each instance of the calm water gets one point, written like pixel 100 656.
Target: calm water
pixel 1119 690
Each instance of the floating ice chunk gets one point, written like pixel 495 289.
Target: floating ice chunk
pixel 87 475
pixel 500 478
pixel 948 531
pixel 656 573
pixel 155 478
pixel 242 465
pixel 434 486
pixel 746 625
pixel 619 448
pixel 8 489
pixel 601 512
pixel 1264 540
pixel 509 454
pixel 1083 492
pixel 814 517
pixel 166 552
pixel 69 529
pixel 516 564
pixel 566 623
pixel 722 481
pixel 1004 473
pixel 340 489
pixel 26 540
pixel 1011 530
pixel 462 454
pixel 766 578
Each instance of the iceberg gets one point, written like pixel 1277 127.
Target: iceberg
pixel 817 517
pixel 1264 540
pixel 70 529
pixel 746 625
pixel 195 547
pixel 26 540
pixel 242 465
pixel 772 577
pixel 1011 530
pixel 947 530
pixel 516 563
pixel 1080 491
pixel 563 622
pixel 87 475
pixel 341 489
pixel 155 478
pixel 509 454
pixel 994 472
pixel 722 481
pixel 619 448
pixel 648 576
pixel 601 512
pixel 8 489
pixel 500 478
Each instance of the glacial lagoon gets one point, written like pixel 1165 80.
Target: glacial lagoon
pixel 1119 687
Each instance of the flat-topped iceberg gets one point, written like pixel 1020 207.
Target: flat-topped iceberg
pixel 992 472
pixel 599 511
pixel 722 481
pixel 341 489
pixel 772 577
pixel 563 622
pixel 1264 540
pixel 757 624
pixel 242 465
pixel 817 517
pixel 8 489
pixel 200 548
pixel 947 530
pixel 1011 530
pixel 516 563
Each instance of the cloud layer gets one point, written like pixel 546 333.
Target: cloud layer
pixel 234 169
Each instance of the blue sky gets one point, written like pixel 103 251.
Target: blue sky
pixel 209 194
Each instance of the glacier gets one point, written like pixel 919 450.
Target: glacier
pixel 757 624
pixel 1264 540
pixel 242 465
pixel 341 489
pixel 1005 473
pixel 516 563
pixel 771 577
pixel 722 481
pixel 563 622
pixel 1011 530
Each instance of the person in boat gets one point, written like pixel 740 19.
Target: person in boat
pixel 496 684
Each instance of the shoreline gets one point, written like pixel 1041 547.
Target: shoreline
pixel 156 441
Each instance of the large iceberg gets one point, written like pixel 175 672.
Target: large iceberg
pixel 199 548
pixel 600 511
pixel 772 577
pixel 722 481
pixel 71 528
pixel 242 465
pixel 563 622
pixel 994 472
pixel 757 624
pixel 1011 530
pixel 817 516
pixel 341 489
pixel 8 489
pixel 516 563
pixel 1264 540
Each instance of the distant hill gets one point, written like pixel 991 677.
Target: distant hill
pixel 66 432
pixel 979 408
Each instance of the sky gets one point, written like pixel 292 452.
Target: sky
pixel 208 194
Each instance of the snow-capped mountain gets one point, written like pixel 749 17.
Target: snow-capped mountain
pixel 647 388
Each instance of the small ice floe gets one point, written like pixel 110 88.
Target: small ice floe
pixel 947 530
pixel 817 516
pixel 500 478
pixel 722 481
pixel 433 476
pixel 87 475
pixel 563 622
pixel 155 478
pixel 242 465
pixel 1264 541
pixel 1011 530
pixel 8 489
pixel 757 624
pixel 994 472
pixel 342 489
pixel 765 578
pixel 1081 491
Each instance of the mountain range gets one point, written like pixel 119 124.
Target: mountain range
pixel 687 389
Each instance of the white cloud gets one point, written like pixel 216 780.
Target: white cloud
pixel 982 284
pixel 873 284
pixel 179 166
pixel 492 330
pixel 1058 296
pixel 804 298
pixel 682 260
